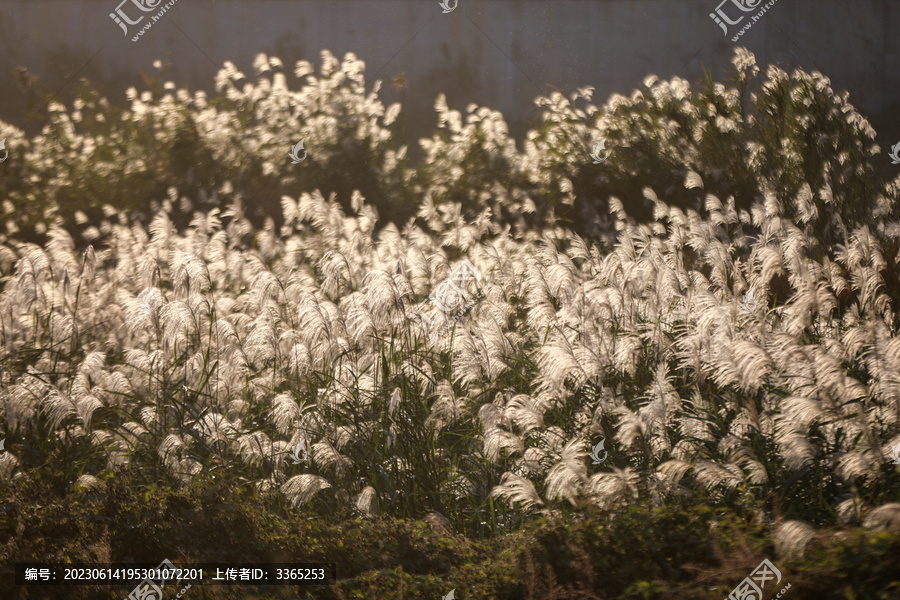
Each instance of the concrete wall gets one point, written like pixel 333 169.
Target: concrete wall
pixel 498 53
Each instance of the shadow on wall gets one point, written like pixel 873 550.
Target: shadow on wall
pixel 495 53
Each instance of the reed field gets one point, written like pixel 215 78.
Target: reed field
pixel 712 310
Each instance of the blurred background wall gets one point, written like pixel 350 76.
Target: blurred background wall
pixel 497 53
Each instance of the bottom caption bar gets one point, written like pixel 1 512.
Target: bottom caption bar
pixel 148 576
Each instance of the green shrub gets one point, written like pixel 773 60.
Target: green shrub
pixel 202 153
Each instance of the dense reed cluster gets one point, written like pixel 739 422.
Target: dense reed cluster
pixel 743 350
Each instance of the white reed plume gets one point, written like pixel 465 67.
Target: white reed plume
pixel 497 440
pixel 300 489
pixel 792 538
pixel 517 490
pixel 367 502
pixel 569 475
pixel 613 489
pixel 447 409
